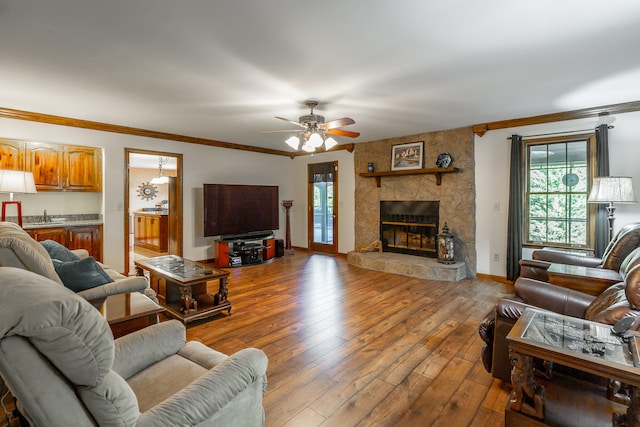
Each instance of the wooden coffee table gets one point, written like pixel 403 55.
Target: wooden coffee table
pixel 130 312
pixel 578 344
pixel 181 286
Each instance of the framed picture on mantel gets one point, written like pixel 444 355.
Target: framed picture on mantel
pixel 407 156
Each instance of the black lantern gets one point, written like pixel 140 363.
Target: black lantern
pixel 445 246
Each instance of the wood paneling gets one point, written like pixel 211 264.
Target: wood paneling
pixel 349 346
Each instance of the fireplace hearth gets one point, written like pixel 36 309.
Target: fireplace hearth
pixel 409 227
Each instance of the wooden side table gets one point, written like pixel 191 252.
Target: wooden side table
pixel 130 312
pixel 589 280
pixel 579 344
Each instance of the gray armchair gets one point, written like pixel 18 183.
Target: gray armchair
pixel 19 249
pixel 60 361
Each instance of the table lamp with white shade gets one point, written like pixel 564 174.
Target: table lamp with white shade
pixel 12 181
pixel 612 189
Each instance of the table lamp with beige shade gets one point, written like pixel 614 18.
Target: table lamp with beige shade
pixel 12 181
pixel 610 190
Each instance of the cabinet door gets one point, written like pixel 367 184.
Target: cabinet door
pixel 163 233
pixel 88 238
pixel 57 234
pixel 269 249
pixel 139 230
pixel 11 154
pixel 153 231
pixel 222 254
pixel 83 168
pixel 45 161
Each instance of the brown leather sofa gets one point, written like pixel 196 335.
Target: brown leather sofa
pixel 618 301
pixel 623 243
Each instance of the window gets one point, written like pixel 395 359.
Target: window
pixel 559 172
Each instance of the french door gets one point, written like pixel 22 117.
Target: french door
pixel 323 207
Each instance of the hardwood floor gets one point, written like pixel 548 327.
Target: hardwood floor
pixel 355 347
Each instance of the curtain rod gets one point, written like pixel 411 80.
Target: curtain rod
pixel 560 133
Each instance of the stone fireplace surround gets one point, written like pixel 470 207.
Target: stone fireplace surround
pixel 456 194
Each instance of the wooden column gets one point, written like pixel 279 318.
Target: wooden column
pixel 287 243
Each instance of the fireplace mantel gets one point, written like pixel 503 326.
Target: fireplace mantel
pixel 437 172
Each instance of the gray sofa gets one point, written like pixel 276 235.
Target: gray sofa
pixel 19 249
pixel 60 361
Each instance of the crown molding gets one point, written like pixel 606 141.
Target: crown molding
pixel 625 107
pixel 106 127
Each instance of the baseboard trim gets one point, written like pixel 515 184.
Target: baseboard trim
pixel 500 279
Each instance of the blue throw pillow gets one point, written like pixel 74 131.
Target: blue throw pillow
pixel 81 274
pixel 59 252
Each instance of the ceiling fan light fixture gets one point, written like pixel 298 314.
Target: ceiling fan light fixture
pixel 308 148
pixel 315 140
pixel 315 131
pixel 161 178
pixel 293 142
pixel 329 143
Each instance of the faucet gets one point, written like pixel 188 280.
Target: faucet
pixel 45 217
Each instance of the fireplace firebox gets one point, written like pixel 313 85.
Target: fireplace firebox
pixel 409 227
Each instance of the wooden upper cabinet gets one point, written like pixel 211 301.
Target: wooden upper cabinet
pixel 82 169
pixel 55 167
pixel 45 161
pixel 11 154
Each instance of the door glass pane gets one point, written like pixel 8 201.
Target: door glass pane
pixel 323 212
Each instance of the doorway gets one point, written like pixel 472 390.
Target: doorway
pixel 153 207
pixel 323 203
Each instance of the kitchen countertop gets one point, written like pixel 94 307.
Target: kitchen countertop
pixel 54 224
pixel 152 212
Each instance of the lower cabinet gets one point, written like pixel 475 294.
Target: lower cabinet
pixel 151 231
pixel 87 237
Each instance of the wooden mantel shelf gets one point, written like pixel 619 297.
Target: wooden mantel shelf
pixel 437 172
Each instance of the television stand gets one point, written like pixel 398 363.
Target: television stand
pixel 244 249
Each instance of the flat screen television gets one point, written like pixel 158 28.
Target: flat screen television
pixel 240 209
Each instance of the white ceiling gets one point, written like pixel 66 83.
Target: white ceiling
pixel 223 69
pixel 146 161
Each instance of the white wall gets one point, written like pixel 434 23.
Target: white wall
pixel 201 164
pixel 139 176
pixel 492 180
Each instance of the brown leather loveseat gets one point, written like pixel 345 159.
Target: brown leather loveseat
pixel 618 301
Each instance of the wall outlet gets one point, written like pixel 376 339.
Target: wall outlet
pixel 496 257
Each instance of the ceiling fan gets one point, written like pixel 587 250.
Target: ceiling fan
pixel 314 131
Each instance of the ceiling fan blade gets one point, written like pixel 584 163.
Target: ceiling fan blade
pixel 292 122
pixel 338 123
pixel 341 132
pixel 278 131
